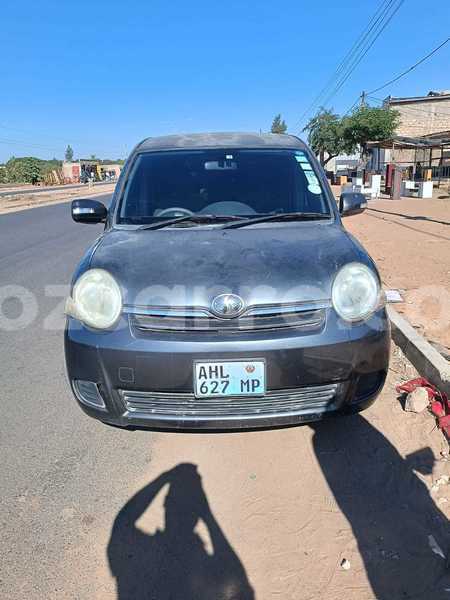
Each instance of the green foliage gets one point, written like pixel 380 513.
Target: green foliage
pixel 326 136
pixel 330 135
pixel 50 165
pixel 278 125
pixel 23 170
pixel 112 161
pixel 69 153
pixel 369 124
pixel 28 169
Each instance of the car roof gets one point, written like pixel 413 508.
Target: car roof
pixel 221 140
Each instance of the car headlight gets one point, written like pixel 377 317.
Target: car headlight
pixel 356 292
pixel 96 299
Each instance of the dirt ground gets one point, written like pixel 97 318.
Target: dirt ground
pixel 25 201
pixel 341 510
pixel 352 508
pixel 410 241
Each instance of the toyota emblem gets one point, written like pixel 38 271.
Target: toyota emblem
pixel 227 306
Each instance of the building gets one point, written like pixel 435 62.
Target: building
pixel 422 115
pixel 422 119
pixel 343 162
pixel 84 169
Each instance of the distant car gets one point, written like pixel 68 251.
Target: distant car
pixel 224 292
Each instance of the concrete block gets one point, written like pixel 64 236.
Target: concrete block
pixel 428 362
pixel 417 401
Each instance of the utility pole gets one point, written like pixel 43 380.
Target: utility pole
pixel 361 155
pixel 363 100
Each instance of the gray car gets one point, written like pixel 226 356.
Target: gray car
pixel 224 292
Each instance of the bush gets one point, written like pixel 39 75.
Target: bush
pixel 28 169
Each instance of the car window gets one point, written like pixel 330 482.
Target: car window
pixel 226 182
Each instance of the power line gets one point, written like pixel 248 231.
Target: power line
pixel 347 58
pixel 356 62
pixel 21 142
pixel 27 131
pixel 66 140
pixel 410 68
pixel 375 25
pixel 352 106
pixel 10 142
pixel 379 22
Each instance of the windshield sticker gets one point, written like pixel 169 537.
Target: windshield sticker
pixel 303 162
pixel 313 182
pixel 305 165
pixel 311 177
pixel 301 158
pixel 314 189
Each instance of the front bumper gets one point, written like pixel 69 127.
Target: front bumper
pixel 145 379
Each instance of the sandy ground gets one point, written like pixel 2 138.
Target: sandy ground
pixel 25 201
pixel 410 241
pixel 339 510
pixel 278 514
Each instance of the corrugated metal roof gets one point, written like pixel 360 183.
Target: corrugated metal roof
pixel 430 97
pixel 404 142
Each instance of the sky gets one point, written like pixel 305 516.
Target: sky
pixel 102 76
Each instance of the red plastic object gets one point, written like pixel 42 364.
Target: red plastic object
pixel 439 402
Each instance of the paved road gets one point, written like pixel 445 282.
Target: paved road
pixel 80 508
pixel 59 470
pixel 52 188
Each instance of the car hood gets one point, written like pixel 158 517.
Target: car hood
pixel 189 267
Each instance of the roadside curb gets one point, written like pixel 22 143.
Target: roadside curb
pixel 49 201
pixel 426 359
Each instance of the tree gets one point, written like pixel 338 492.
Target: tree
pixel 367 124
pixel 69 153
pixel 27 169
pixel 278 125
pixel 330 135
pixel 23 170
pixel 326 136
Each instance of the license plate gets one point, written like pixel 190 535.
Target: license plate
pixel 230 378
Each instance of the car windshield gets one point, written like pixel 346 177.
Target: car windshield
pixel 222 183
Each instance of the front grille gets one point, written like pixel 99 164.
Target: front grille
pixel 314 399
pixel 307 320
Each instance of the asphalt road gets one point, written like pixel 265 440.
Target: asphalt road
pixel 268 514
pixel 59 470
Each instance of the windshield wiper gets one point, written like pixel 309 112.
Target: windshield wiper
pixel 290 216
pixel 198 218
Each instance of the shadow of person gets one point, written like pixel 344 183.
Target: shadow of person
pixel 174 564
pixel 388 507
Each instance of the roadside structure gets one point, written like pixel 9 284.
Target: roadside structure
pixel 422 140
pixel 82 170
pixel 422 137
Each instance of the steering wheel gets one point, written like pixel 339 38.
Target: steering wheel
pixel 175 211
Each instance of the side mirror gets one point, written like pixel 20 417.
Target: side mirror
pixel 352 203
pixel 88 211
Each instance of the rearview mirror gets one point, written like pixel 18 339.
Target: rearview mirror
pixel 352 203
pixel 220 165
pixel 88 211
